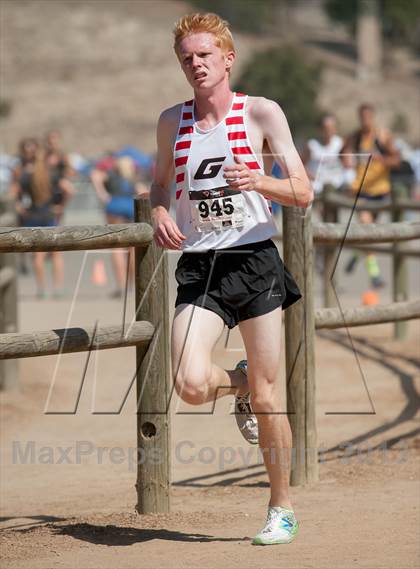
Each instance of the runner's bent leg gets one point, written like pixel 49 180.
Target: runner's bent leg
pixel 195 331
pixel 262 337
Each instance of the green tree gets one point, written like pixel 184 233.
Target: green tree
pixel 285 76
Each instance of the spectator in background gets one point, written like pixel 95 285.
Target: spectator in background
pixel 31 189
pixel 372 152
pixel 61 173
pixel 322 160
pixel 405 174
pixel 116 189
pixel 321 156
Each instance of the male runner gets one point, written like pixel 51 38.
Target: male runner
pixel 230 271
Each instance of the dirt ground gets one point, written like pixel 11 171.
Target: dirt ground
pixel 62 510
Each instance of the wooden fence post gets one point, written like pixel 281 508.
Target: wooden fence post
pixel 8 318
pixel 329 215
pixel 399 262
pixel 153 376
pixel 300 337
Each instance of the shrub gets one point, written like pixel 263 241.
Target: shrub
pixel 284 75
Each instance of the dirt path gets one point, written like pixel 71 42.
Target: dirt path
pixel 364 512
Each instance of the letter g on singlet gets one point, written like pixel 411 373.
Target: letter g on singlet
pixel 212 171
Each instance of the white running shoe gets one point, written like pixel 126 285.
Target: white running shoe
pixel 281 527
pixel 245 417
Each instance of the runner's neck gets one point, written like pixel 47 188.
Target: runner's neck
pixel 211 108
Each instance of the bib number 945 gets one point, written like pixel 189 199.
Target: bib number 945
pixel 218 207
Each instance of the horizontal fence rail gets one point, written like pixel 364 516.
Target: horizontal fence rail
pixel 404 251
pixel 333 233
pixel 74 238
pixel 82 238
pixel 386 204
pixel 70 340
pixel 332 318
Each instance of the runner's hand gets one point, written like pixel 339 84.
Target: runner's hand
pixel 166 232
pixel 240 177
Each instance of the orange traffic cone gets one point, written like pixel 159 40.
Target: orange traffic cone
pixel 370 297
pixel 98 277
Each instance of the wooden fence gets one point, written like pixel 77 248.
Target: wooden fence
pixel 8 297
pixel 150 334
pixel 396 204
pixel 301 321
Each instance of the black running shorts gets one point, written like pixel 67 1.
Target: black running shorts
pixel 236 283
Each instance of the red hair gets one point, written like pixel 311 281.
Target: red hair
pixel 210 23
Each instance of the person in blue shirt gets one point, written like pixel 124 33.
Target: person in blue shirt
pixel 116 189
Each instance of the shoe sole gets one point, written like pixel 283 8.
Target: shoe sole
pixel 273 542
pixel 250 441
pixel 259 541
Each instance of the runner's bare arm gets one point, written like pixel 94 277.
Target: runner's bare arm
pixel 296 189
pixel 166 231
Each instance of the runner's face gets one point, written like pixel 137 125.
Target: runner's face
pixel 203 62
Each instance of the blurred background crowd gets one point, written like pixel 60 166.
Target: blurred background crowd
pixel 346 75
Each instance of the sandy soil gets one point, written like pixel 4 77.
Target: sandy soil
pixel 61 512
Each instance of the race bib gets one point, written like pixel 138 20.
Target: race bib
pixel 217 209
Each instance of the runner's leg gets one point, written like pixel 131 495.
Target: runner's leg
pixel 262 337
pixel 195 331
pixel 57 259
pixel 118 257
pixel 38 260
pixel 372 266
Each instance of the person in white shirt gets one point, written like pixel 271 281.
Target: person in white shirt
pixel 321 156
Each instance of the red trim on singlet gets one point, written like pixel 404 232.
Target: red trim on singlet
pixel 241 150
pixel 185 130
pixel 253 165
pixel 234 120
pixel 236 135
pixel 181 160
pixel 183 144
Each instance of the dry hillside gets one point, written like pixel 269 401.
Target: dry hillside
pixel 101 71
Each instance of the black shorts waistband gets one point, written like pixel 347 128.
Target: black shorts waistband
pixel 255 246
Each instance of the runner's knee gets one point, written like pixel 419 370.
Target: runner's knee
pixel 265 398
pixel 193 386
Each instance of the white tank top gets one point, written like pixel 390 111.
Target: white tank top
pixel 325 164
pixel 208 213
